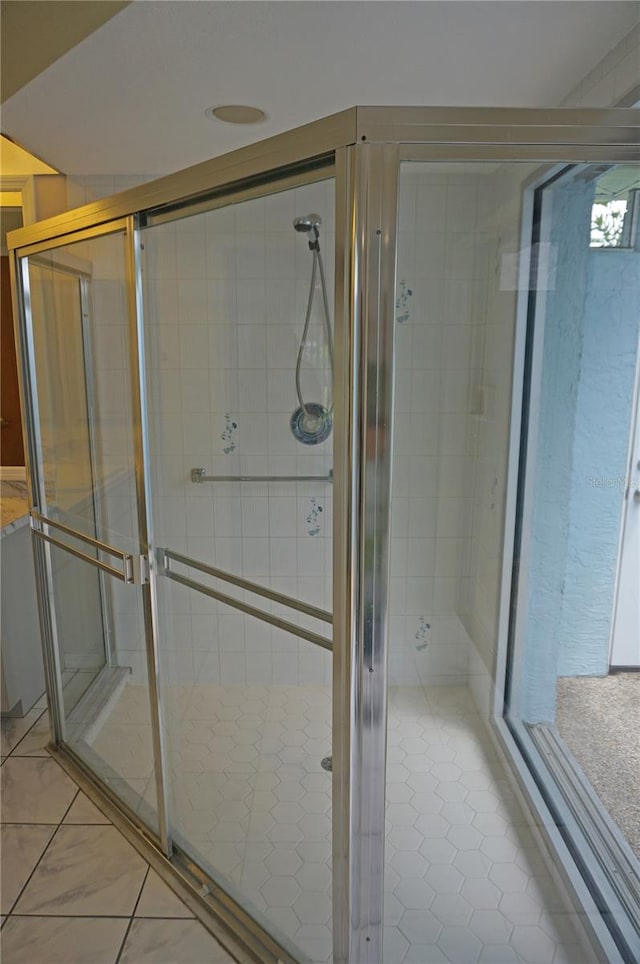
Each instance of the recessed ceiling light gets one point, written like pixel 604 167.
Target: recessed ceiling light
pixel 236 114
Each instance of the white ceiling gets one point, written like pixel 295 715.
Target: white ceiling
pixel 131 97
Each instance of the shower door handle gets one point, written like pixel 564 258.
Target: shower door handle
pixel 133 570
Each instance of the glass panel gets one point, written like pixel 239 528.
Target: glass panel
pixel 87 466
pixel 78 305
pixel 226 297
pixel 464 878
pixel 58 300
pixel 250 800
pixel 230 360
pixel 576 689
pixel 107 715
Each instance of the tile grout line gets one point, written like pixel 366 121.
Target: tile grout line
pixel 73 916
pixel 60 824
pixel 33 824
pixel 12 751
pixel 40 858
pixel 132 917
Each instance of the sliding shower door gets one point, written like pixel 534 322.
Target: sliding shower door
pixel 238 309
pixel 91 561
pixel 59 287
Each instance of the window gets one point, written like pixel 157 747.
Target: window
pixel 614 212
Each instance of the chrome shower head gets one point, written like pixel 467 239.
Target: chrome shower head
pixel 308 222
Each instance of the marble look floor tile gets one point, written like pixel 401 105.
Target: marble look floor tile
pixel 171 942
pixel 35 791
pixel 42 702
pixel 62 940
pixel 12 729
pixel 36 740
pixel 85 871
pixel 22 846
pixel 158 900
pixel 83 810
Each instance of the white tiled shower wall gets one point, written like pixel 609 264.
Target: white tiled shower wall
pixel 441 292
pixel 226 294
pixel 502 205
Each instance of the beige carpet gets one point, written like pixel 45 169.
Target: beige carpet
pixel 599 720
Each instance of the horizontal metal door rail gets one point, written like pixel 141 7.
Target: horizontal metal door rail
pixel 118 573
pixel 166 555
pixel 251 611
pixel 81 536
pixel 198 475
pixel 126 574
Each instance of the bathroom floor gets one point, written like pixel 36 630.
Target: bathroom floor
pixel 251 802
pixel 74 891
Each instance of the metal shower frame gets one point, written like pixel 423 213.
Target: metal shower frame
pixel 362 148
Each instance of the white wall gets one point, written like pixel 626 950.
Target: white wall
pixel 442 268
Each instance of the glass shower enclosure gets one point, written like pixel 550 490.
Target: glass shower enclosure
pixel 281 412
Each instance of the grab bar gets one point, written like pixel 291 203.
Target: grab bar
pixel 276 621
pixel 165 556
pixel 198 475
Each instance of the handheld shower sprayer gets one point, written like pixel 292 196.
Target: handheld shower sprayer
pixel 310 223
pixel 311 423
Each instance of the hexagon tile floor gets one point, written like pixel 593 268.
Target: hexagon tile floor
pixel 464 881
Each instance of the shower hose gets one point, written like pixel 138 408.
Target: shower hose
pixel 317 265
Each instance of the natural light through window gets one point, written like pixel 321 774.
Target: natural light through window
pixel 608 223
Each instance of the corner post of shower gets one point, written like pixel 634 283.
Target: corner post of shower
pixel 344 573
pixel 372 300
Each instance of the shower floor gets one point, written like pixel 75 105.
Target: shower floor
pixel 465 881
